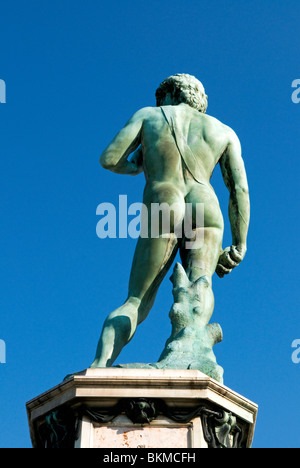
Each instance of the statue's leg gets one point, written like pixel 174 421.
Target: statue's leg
pixel 201 262
pixel 152 260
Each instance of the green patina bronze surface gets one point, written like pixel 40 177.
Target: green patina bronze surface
pixel 177 146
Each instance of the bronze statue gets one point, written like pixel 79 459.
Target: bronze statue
pixel 177 146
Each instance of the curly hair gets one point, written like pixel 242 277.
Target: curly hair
pixel 183 88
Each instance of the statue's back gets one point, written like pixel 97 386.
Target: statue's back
pixel 176 133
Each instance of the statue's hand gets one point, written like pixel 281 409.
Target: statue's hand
pixel 230 258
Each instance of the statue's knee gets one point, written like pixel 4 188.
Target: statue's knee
pixel 124 317
pixel 133 301
pixel 122 325
pixel 205 280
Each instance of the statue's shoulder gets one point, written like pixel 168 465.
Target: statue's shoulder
pixel 214 122
pixel 217 126
pixel 145 113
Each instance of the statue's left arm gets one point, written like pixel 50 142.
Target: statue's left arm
pixel 235 178
pixel 115 156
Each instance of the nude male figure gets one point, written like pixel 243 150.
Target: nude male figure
pixel 180 147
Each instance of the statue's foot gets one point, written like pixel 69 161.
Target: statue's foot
pixel 97 365
pixel 70 376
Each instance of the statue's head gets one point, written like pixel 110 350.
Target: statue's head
pixel 182 88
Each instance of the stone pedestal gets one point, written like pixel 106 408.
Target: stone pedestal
pixel 141 408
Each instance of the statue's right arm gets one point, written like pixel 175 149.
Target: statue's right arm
pixel 235 178
pixel 115 156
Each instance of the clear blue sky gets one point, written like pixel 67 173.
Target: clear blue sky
pixel 75 72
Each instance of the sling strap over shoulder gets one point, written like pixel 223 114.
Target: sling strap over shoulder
pixel 192 163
